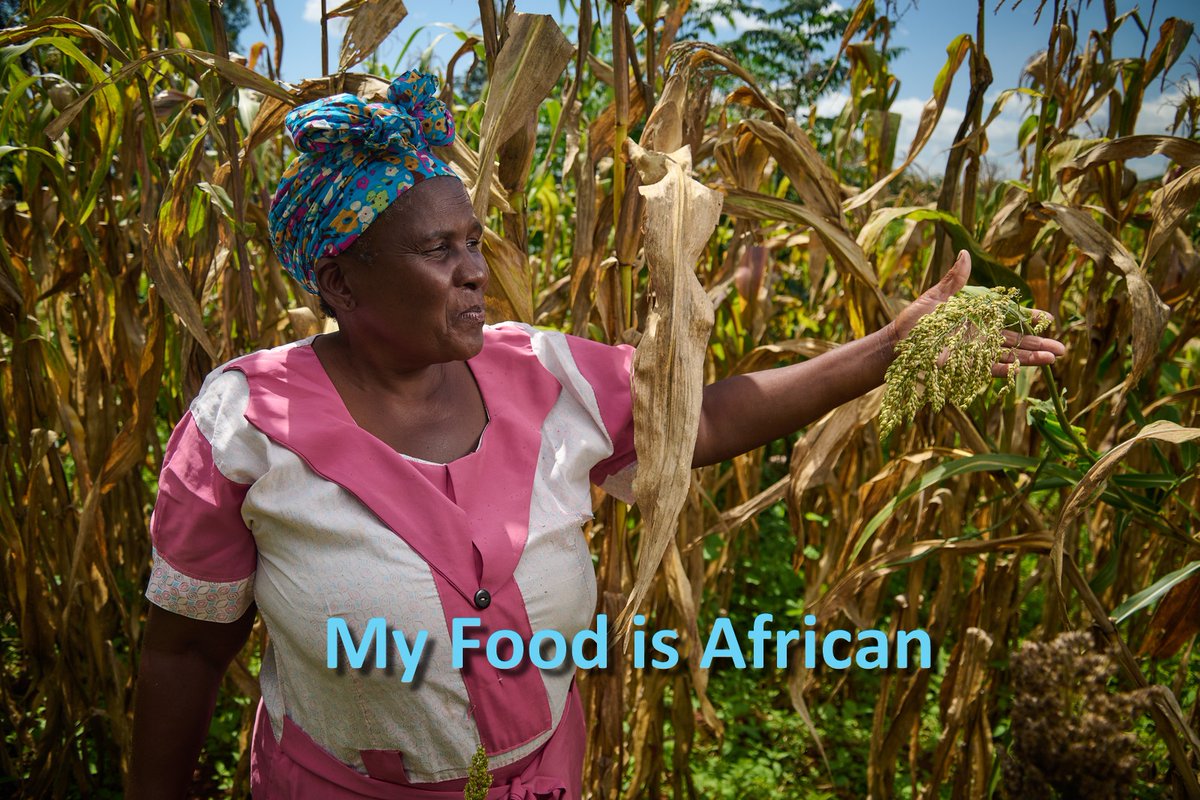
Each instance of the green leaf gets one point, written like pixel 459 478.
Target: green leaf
pixel 105 120
pixel 197 215
pixel 220 198
pixel 1152 593
pixel 1147 480
pixel 6 149
pixel 848 256
pixel 987 270
pixel 981 462
pixel 62 25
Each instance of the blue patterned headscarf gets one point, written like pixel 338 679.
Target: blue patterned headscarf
pixel 355 159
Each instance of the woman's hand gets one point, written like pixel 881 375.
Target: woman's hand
pixel 743 412
pixel 182 663
pixel 1032 351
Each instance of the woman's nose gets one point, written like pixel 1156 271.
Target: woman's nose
pixel 473 271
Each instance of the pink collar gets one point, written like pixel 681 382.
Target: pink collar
pixel 474 541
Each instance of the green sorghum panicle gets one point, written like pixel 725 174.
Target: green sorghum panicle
pixel 969 328
pixel 479 780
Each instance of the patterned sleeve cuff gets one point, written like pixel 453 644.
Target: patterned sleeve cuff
pixel 620 483
pixel 203 600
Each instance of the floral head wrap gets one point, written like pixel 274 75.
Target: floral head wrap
pixel 355 159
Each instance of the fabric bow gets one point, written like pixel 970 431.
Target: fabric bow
pixel 355 158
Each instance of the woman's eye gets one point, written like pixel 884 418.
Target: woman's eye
pixel 473 244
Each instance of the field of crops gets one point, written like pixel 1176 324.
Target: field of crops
pixel 1046 537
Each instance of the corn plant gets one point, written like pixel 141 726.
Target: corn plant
pixel 137 161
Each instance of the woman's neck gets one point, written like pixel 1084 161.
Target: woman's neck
pixel 374 369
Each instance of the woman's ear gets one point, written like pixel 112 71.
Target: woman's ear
pixel 331 280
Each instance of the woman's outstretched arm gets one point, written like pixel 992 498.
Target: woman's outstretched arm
pixel 182 663
pixel 743 412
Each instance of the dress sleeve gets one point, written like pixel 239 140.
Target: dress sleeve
pixel 609 371
pixel 204 553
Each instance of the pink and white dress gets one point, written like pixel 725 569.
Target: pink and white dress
pixel 270 492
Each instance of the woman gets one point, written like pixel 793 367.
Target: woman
pixel 417 467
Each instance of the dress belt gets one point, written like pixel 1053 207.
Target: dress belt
pixel 538 789
pixel 298 766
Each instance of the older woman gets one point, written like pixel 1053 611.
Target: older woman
pixel 417 467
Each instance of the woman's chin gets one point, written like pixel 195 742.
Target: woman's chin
pixel 468 344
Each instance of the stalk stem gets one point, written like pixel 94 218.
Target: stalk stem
pixel 1060 412
pixel 324 39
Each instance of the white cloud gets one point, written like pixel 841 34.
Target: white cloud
pixel 312 9
pixel 932 157
pixel 1157 115
pixel 1002 135
pixel 741 22
pixel 831 104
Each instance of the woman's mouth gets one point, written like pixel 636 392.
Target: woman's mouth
pixel 474 315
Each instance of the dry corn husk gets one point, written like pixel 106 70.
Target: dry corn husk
pixel 668 370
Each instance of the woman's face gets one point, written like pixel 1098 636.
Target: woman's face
pixel 417 276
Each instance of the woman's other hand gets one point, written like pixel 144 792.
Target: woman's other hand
pixel 182 663
pixel 1032 351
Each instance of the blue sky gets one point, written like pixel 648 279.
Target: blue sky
pixel 924 30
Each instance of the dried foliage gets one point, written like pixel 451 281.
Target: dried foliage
pixel 1071 734
pixel 137 161
pixel 668 370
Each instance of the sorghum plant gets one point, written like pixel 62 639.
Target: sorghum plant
pixel 949 354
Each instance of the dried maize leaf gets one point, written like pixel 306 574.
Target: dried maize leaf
pixel 1175 621
pixel 861 577
pixel 864 10
pixel 818 450
pixel 267 121
pixel 527 67
pixel 63 27
pixel 766 356
pixel 742 158
pixel 164 264
pixel 1094 479
pixel 1149 313
pixel 129 446
pixel 304 322
pixel 796 685
pixel 968 701
pixel 1169 206
pixel 803 165
pixel 1182 151
pixel 668 370
pixel 680 590
pixel 466 163
pixel 699 54
pixel 370 23
pixel 511 286
pixel 664 129
pixel 847 254
pixel 1173 37
pixel 172 283
pixel 369 87
pixel 740 514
